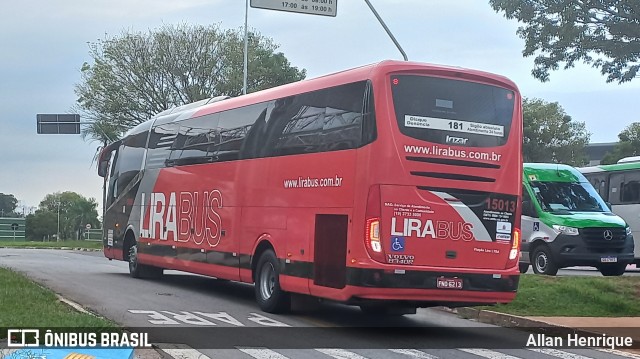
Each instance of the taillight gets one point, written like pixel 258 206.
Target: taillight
pixel 372 238
pixel 373 235
pixel 514 253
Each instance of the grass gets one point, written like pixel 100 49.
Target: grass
pixel 575 297
pixel 28 305
pixel 72 244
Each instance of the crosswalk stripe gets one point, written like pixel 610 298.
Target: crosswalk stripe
pixel 184 353
pixel 262 353
pixel 620 353
pixel 414 353
pixel 340 354
pixel 558 353
pixel 486 353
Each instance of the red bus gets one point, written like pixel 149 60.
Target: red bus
pixel 390 186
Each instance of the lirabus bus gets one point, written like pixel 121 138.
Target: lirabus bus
pixel 619 185
pixel 390 186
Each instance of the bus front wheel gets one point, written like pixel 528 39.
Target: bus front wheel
pixel 138 270
pixel 613 270
pixel 270 297
pixel 543 262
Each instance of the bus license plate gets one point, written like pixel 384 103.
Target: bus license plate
pixel 608 259
pixel 449 283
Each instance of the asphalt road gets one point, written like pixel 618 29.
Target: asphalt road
pixel 221 319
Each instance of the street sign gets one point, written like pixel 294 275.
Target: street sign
pixel 88 226
pixel 58 124
pixel 313 7
pixel 14 226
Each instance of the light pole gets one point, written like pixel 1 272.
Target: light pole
pixel 58 232
pixel 246 48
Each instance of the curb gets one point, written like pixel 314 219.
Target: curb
pixel 59 248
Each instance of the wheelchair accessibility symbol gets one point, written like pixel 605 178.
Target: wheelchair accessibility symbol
pixel 397 244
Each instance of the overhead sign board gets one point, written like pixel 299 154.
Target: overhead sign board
pixel 57 124
pixel 313 7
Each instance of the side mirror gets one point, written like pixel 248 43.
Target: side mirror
pixel 528 209
pixel 103 167
pixel 609 206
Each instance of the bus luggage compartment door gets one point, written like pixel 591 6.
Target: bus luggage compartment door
pixel 330 250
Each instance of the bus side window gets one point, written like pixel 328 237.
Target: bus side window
pixel 616 182
pixel 630 191
pixel 235 126
pixel 318 121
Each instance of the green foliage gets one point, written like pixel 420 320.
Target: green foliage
pixel 628 146
pixel 550 135
pixel 41 224
pixel 575 296
pixel 604 34
pixel 75 212
pixel 29 305
pixel 8 204
pixel 137 75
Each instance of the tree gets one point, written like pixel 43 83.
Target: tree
pixel 550 135
pixel 137 75
pixel 629 144
pixel 8 204
pixel 603 33
pixel 75 212
pixel 41 224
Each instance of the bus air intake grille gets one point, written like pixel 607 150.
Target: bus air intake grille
pixel 450 162
pixel 456 191
pixel 453 176
pixel 604 237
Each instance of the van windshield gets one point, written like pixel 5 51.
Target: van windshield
pixel 561 197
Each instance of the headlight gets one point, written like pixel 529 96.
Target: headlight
pixel 570 231
pixel 628 230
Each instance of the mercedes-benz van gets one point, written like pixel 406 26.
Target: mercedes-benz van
pixel 566 223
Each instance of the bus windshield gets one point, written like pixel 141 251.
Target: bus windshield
pixel 450 111
pixel 568 197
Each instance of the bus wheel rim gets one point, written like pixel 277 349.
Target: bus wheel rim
pixel 541 262
pixel 267 280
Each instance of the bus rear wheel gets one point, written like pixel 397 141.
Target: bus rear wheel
pixel 270 297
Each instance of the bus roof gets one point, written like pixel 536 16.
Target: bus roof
pixel 551 172
pixel 611 168
pixel 629 159
pixel 344 77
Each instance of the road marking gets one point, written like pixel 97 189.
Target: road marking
pixel 414 353
pixel 620 353
pixel 486 353
pixel 340 354
pixel 262 353
pixel 558 353
pixel 185 354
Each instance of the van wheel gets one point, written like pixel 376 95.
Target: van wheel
pixel 137 270
pixel 523 267
pixel 542 261
pixel 270 297
pixel 613 270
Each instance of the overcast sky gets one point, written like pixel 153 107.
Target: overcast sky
pixel 43 44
